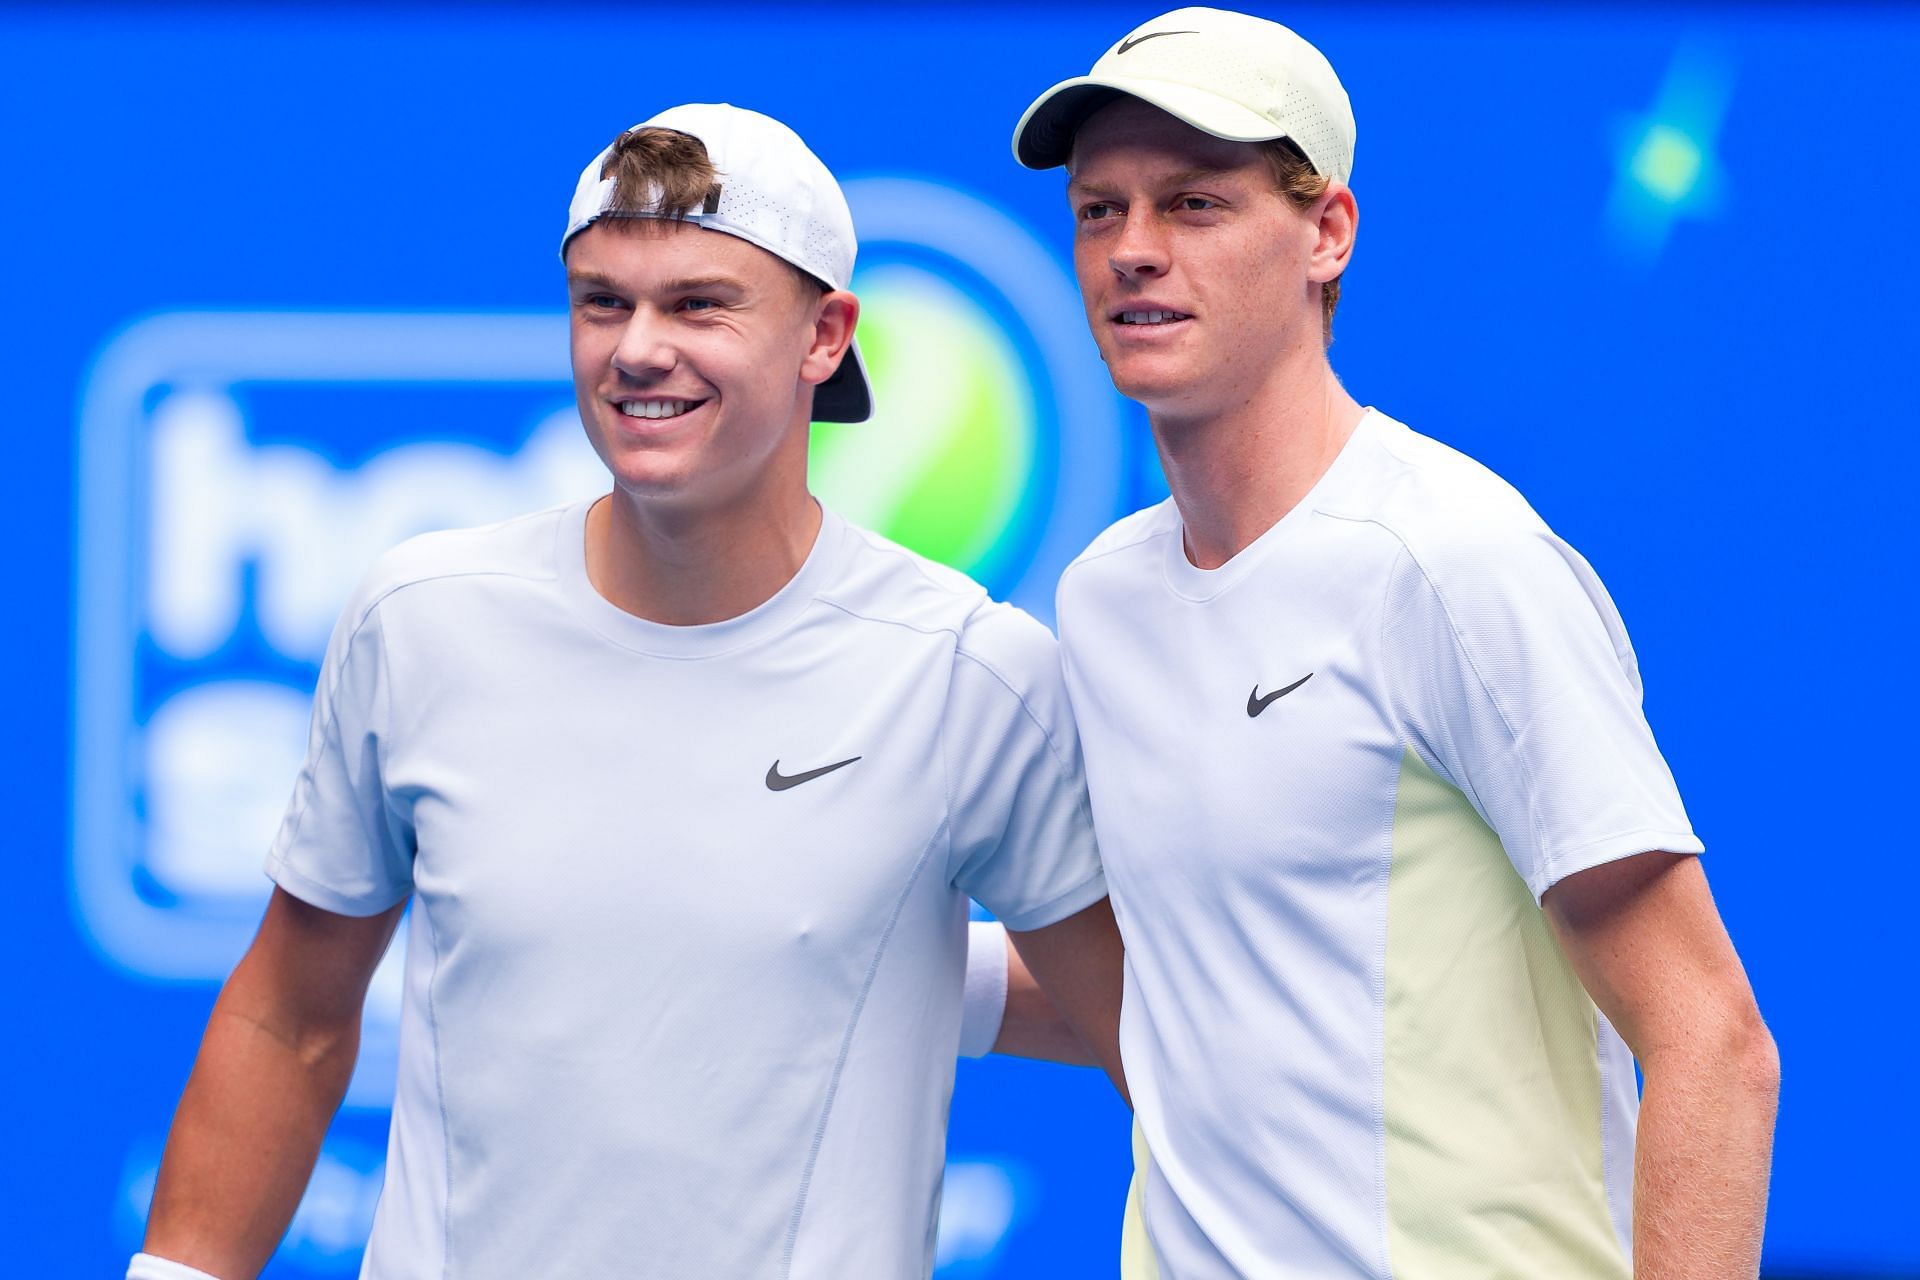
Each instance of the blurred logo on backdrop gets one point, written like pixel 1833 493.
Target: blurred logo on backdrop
pixel 240 471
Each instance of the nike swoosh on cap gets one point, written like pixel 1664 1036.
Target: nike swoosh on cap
pixel 777 781
pixel 1131 41
pixel 1256 704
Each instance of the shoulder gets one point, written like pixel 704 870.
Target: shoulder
pixel 1437 496
pixel 1121 548
pixel 1464 529
pixel 1128 533
pixel 1012 645
pixel 1479 562
pixel 1006 672
pixel 882 581
pixel 1000 652
pixel 522 548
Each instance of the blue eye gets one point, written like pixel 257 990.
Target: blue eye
pixel 1098 210
pixel 699 304
pixel 1195 204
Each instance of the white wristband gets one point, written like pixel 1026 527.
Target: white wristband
pixel 985 1006
pixel 147 1267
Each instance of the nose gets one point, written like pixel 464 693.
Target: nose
pixel 645 350
pixel 1141 252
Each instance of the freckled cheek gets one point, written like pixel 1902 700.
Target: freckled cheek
pixel 1251 279
pixel 1090 269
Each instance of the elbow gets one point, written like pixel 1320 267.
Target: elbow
pixel 322 1048
pixel 1758 1058
pixel 1729 1045
pixel 1744 1051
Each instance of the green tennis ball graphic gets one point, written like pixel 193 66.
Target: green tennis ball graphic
pixel 942 465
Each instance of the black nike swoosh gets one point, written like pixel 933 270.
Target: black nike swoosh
pixel 777 781
pixel 1131 41
pixel 1256 704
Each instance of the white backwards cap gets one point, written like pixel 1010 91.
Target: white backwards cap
pixel 1228 74
pixel 772 192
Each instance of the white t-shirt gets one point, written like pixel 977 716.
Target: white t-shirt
pixel 1331 780
pixel 689 903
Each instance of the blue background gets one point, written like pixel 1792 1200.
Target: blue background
pixel 1708 395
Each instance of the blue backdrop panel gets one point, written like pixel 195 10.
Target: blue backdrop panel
pixel 280 288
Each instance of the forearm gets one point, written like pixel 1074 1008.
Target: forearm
pixel 1032 1027
pixel 1703 1157
pixel 1078 963
pixel 245 1138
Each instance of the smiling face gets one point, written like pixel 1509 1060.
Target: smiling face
pixel 694 359
pixel 1198 277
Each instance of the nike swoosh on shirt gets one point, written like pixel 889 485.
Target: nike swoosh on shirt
pixel 777 781
pixel 1256 704
pixel 1131 41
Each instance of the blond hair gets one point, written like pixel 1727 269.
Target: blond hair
pixel 1300 186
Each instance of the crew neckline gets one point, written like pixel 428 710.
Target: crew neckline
pixel 1190 582
pixel 701 640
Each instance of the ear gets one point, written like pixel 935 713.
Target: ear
pixel 1338 220
pixel 832 335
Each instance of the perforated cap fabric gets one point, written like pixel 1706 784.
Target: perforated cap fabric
pixel 773 192
pixel 1228 74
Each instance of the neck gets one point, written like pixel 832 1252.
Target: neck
pixel 1235 471
pixel 686 566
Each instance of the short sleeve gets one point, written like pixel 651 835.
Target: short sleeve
pixel 1022 830
pixel 344 845
pixel 1512 673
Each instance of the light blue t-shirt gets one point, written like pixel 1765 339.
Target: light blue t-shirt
pixel 683 978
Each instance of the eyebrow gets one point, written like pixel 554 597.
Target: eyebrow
pixel 703 284
pixel 686 284
pixel 1185 177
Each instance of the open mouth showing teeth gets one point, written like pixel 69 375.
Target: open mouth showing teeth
pixel 658 408
pixel 1151 317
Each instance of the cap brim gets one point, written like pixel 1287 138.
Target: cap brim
pixel 1044 137
pixel 846 396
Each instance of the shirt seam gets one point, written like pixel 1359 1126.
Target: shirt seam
pixel 880 546
pixel 915 627
pixel 305 788
pixel 1385 1258
pixel 1082 803
pixel 1385 611
pixel 846 1050
pixel 440 1098
pixel 946 765
pixel 1534 829
pixel 1053 748
pixel 1090 555
pixel 947 797
pixel 383 743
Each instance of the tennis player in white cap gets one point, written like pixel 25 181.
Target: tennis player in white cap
pixel 1401 872
pixel 688 787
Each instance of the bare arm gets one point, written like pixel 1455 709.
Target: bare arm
pixel 273 1066
pixel 1072 967
pixel 1031 1027
pixel 1644 937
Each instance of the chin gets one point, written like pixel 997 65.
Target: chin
pixel 1142 381
pixel 646 479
